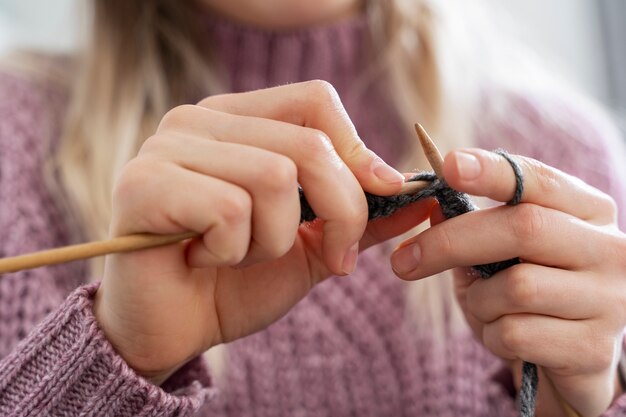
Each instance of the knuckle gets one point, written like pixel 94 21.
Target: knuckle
pixel 155 144
pixel 236 255
pixel 357 213
pixel 614 254
pixel 176 117
pixel 315 144
pixel 520 288
pixel 322 91
pixel 279 247
pixel 511 336
pixel 608 206
pixel 236 208
pixel 226 256
pixel 355 148
pixel 134 194
pixel 135 178
pixel 353 218
pixel 528 222
pixel 279 174
pixel 545 177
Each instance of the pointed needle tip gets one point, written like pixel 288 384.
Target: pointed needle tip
pixel 430 150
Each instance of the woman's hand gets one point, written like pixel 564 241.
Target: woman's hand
pixel 229 168
pixel 564 306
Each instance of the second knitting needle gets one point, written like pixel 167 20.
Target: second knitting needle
pixel 430 150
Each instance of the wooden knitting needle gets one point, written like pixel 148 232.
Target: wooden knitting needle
pixel 434 158
pixel 430 150
pixel 119 244
pixel 90 250
pixel 411 187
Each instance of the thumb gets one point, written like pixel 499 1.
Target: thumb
pixel 401 221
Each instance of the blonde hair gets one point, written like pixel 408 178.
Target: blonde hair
pixel 142 59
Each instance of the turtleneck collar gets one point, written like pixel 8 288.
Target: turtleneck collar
pixel 257 58
pixel 253 58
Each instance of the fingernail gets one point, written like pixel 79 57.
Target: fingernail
pixel 468 166
pixel 386 173
pixel 349 260
pixel 406 259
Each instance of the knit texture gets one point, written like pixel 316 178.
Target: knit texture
pixel 347 349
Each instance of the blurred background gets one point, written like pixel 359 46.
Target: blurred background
pixel 582 39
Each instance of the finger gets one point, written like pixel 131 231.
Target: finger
pixel 483 173
pixel 529 288
pixel 330 187
pixel 579 356
pixel 536 234
pixel 436 215
pixel 269 178
pixel 315 104
pixel 219 210
pixel 550 342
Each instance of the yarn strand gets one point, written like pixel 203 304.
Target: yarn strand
pixel 453 203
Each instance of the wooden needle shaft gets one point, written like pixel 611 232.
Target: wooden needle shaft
pixel 411 187
pixel 119 244
pixel 89 250
pixel 430 149
pixel 147 240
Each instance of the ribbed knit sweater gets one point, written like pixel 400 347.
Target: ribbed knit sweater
pixel 348 349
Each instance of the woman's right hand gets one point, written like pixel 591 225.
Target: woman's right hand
pixel 229 168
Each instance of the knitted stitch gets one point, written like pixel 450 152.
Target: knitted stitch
pixel 347 349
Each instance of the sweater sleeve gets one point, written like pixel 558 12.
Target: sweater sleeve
pixel 66 366
pixel 54 358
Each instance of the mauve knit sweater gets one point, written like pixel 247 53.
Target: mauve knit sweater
pixel 347 349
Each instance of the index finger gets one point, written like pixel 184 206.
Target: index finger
pixel 484 173
pixel 317 105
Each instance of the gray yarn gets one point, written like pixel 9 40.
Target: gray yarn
pixel 453 203
pixel 530 379
pixel 519 177
pixel 528 390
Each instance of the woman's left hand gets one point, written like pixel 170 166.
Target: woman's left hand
pixel 564 307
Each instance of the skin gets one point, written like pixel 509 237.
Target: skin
pixel 563 308
pixel 229 167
